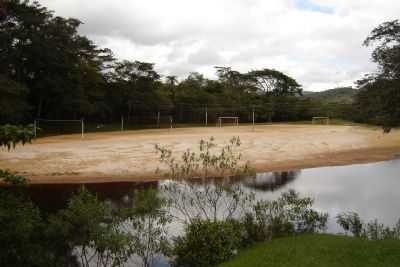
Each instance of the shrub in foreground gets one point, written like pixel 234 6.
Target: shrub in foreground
pixel 205 243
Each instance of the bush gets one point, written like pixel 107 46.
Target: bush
pixel 288 214
pixel 373 230
pixel 90 229
pixel 146 226
pixel 22 233
pixel 350 222
pixel 205 243
pixel 12 178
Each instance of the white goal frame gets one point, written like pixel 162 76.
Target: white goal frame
pixel 37 121
pixel 316 119
pixel 236 120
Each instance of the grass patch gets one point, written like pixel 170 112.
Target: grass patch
pixel 319 250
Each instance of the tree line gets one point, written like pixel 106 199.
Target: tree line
pixel 48 70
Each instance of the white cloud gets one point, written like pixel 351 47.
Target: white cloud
pixel 320 50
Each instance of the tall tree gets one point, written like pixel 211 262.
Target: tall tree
pixel 47 55
pixel 273 82
pixel 136 85
pixel 379 96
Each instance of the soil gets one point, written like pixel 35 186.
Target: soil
pixel 131 155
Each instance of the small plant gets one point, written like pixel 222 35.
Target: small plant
pixel 146 225
pixel 373 230
pixel 205 243
pixel 12 178
pixel 218 201
pixel 350 222
pixel 207 162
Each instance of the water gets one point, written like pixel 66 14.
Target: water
pixel 372 190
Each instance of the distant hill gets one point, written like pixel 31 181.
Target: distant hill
pixel 337 95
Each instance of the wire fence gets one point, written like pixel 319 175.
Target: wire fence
pixel 187 115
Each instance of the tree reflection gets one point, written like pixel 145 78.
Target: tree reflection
pixel 269 181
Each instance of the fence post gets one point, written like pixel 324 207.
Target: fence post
pixel 122 123
pixel 82 127
pixel 253 118
pixel 206 116
pixel 158 119
pixel 34 128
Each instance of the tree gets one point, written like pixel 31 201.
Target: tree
pixel 136 86
pixel 11 135
pixel 273 82
pixel 46 54
pixel 14 105
pixel 387 52
pixel 172 80
pixel 379 95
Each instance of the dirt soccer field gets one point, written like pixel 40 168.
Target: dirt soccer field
pixel 116 156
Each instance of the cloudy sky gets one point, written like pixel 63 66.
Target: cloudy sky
pixel 318 42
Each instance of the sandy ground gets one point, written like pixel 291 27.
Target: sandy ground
pixel 129 156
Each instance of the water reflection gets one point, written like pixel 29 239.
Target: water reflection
pixel 269 181
pixel 263 181
pixel 53 197
pixel 372 190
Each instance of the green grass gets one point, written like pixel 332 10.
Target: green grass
pixel 319 250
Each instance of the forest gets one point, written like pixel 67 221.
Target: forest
pixel 50 71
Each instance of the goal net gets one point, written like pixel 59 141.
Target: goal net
pixel 231 120
pixel 320 120
pixel 45 127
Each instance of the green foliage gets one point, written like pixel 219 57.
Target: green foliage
pixel 206 161
pixel 90 227
pixel 74 78
pixel 289 214
pixel 373 230
pixel 67 78
pixel 273 82
pixel 218 201
pixel 14 105
pixel 341 95
pixel 22 233
pixel 350 222
pixel 316 250
pixel 12 178
pixel 387 52
pixel 205 243
pixel 146 225
pixel 11 135
pixel 377 101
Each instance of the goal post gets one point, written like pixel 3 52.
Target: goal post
pixel 37 123
pixel 234 119
pixel 325 120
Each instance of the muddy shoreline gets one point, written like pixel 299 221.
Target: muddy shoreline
pixel 130 156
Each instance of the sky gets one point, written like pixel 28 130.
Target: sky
pixel 317 42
